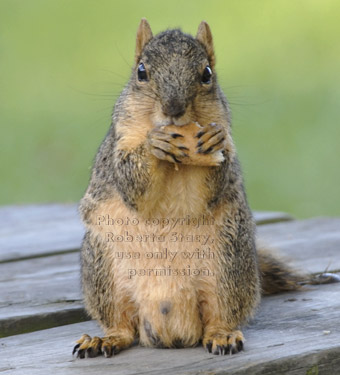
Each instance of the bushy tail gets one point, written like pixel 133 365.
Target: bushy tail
pixel 278 276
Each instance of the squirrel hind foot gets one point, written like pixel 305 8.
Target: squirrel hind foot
pixel 223 343
pixel 88 347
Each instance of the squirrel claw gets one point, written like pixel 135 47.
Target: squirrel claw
pixel 75 348
pixel 183 148
pixel 208 346
pixel 199 134
pixel 208 150
pixel 176 135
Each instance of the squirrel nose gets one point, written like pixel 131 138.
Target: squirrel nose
pixel 173 109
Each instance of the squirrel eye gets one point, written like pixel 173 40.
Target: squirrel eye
pixel 141 73
pixel 207 74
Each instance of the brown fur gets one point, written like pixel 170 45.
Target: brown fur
pixel 151 166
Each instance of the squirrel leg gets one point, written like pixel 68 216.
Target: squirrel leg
pixel 219 337
pixel 229 300
pixel 112 307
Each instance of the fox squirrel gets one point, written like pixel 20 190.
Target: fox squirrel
pixel 169 253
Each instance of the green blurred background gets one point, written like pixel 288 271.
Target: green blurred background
pixel 63 63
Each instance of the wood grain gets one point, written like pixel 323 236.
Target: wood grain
pixel 38 230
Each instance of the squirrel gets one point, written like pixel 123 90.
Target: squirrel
pixel 181 266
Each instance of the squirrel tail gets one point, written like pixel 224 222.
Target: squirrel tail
pixel 278 276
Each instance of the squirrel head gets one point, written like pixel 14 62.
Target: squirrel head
pixel 174 75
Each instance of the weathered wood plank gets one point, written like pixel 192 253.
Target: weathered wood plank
pixel 295 333
pixel 39 230
pixel 34 318
pixel 313 244
pixel 40 293
pixel 41 280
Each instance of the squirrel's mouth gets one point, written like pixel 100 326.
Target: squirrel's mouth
pixel 184 120
pixel 181 121
pixel 161 118
pixel 163 122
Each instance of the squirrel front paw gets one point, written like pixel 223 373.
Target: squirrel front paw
pixel 192 144
pixel 211 138
pixel 166 144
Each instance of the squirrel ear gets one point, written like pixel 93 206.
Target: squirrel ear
pixel 144 34
pixel 205 37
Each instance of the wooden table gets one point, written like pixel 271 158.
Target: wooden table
pixel 41 312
